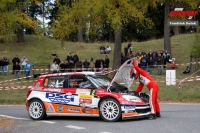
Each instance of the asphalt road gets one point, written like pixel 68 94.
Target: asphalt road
pixel 176 118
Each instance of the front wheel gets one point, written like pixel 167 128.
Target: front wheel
pixel 36 110
pixel 110 110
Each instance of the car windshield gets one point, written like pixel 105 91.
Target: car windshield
pixel 101 81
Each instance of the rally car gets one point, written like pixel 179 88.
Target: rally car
pixel 87 94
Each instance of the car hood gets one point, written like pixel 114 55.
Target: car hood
pixel 124 74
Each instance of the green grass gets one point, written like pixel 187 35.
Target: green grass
pixel 39 49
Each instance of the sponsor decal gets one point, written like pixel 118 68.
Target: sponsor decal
pixel 87 111
pixel 60 98
pixel 85 96
pixel 129 107
pixel 131 114
pixel 60 108
pixel 83 91
pixel 73 109
pixel 57 77
pixel 180 12
pixel 86 101
pixel 37 86
pixel 50 108
pixel 52 89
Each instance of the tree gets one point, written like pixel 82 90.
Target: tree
pixel 14 19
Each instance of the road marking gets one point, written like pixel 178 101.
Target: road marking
pixel 104 132
pixel 74 127
pixel 50 122
pixel 12 117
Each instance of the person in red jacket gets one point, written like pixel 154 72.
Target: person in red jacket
pixel 152 86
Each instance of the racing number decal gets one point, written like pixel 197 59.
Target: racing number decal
pixel 46 82
pixel 93 92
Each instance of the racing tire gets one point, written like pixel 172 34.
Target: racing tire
pixel 36 110
pixel 110 110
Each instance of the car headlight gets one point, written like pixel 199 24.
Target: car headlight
pixel 131 98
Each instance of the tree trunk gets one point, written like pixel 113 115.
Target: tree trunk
pixel 79 33
pixel 167 43
pixel 117 49
pixel 176 30
pixel 20 34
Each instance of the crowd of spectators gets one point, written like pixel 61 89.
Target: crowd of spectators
pixel 147 61
pixel 74 63
pixel 17 69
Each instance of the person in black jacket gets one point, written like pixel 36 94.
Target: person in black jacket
pixel 63 66
pixel 98 64
pixel 150 63
pixel 17 69
pixel 57 60
pixel 5 65
pixel 107 61
pixel 14 60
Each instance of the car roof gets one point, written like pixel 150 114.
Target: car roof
pixel 69 73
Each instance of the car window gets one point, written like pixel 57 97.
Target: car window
pixel 54 82
pixel 79 81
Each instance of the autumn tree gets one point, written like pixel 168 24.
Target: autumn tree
pixel 14 19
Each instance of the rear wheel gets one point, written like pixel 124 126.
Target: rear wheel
pixel 110 110
pixel 36 110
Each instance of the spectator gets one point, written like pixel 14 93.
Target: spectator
pixel 54 67
pixel 92 63
pixel 150 54
pixel 150 65
pixel 143 62
pixel 63 66
pixel 75 58
pixel 162 52
pixel 107 62
pixel 143 52
pixel 16 69
pixel 14 60
pixel 108 49
pixel 24 61
pixel 166 57
pixel 159 61
pixel 1 65
pixel 71 66
pixel 5 66
pixel 102 49
pixel 139 56
pixel 132 55
pixel 57 60
pixel 28 68
pixel 129 45
pixel 98 64
pixel 86 64
pixel 69 57
pixel 131 49
pixel 125 51
pixel 123 58
pixel 79 65
pixel 155 55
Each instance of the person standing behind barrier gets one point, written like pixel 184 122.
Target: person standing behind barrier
pixel 28 68
pixel 166 57
pixel 62 66
pixel 150 65
pixel 17 69
pixel 98 64
pixel 24 61
pixel 143 62
pixel 75 58
pixel 54 67
pixel 159 61
pixel 57 60
pixel 86 65
pixel 79 65
pixel 5 66
pixel 92 64
pixel 14 60
pixel 69 57
pixel 1 65
pixel 107 62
